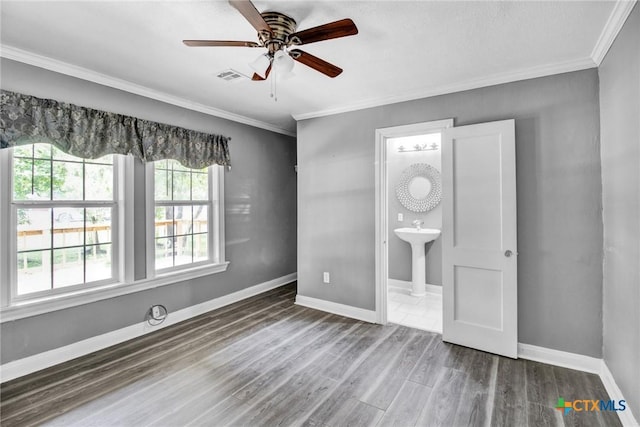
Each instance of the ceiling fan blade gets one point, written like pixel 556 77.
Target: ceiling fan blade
pixel 215 43
pixel 258 77
pixel 332 30
pixel 251 14
pixel 316 63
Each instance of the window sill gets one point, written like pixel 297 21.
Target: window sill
pixel 31 308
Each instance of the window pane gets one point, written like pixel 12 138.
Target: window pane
pixel 98 216
pixel 98 259
pixel 182 219
pixel 164 221
pixel 162 184
pixel 68 226
pixel 41 180
pixel 23 151
pixel 181 185
pixel 183 250
pixel 177 166
pixel 34 229
pixel 42 151
pixel 61 155
pixel 200 219
pixel 200 186
pixel 98 226
pixel 22 179
pixel 34 271
pixel 68 267
pixel 68 218
pixel 98 182
pixel 164 252
pixel 67 181
pixel 200 247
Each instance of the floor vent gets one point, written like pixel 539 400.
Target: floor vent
pixel 231 75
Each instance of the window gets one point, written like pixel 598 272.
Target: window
pixel 62 219
pixel 185 217
pixel 68 227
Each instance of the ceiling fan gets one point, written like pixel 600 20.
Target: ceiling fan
pixel 277 33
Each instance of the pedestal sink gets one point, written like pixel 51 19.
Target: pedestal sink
pixel 417 237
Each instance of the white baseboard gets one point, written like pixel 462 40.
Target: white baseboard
pixel 336 308
pixel 39 361
pixel 403 284
pixel 580 363
pixel 626 417
pixel 559 358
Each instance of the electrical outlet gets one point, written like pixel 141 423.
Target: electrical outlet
pixel 400 217
pixel 325 277
pixel 155 312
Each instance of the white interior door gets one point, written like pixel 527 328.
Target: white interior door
pixel 480 306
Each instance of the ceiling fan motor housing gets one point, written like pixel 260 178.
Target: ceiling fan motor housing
pixel 282 26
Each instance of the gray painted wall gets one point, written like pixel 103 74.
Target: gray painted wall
pixel 620 151
pixel 260 215
pixel 559 201
pixel 400 251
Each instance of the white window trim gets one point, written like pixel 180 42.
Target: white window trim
pixel 126 234
pixel 4 225
pixel 10 311
pixel 216 216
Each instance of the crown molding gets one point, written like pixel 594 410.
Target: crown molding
pixel 65 68
pixel 617 18
pixel 496 79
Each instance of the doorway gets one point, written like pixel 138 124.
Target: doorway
pixel 408 185
pixel 479 232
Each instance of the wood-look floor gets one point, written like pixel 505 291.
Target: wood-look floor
pixel 265 361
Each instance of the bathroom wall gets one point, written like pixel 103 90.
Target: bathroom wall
pixel 260 238
pixel 620 153
pixel 400 251
pixel 558 194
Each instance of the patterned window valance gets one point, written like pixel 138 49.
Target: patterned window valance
pixel 89 133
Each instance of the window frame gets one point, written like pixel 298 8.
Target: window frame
pixel 215 238
pixel 10 223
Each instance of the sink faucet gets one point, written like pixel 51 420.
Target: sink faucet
pixel 418 223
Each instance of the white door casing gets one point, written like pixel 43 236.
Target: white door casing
pixel 479 245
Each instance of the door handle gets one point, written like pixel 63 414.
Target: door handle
pixel 508 253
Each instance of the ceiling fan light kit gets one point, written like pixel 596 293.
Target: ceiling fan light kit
pixel 261 64
pixel 283 64
pixel 277 33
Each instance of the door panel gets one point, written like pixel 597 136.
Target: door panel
pixel 476 166
pixel 479 237
pixel 472 285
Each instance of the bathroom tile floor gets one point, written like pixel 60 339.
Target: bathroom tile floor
pixel 415 312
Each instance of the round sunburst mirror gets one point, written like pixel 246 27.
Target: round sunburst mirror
pixel 419 188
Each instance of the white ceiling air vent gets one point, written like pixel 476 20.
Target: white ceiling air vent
pixel 231 75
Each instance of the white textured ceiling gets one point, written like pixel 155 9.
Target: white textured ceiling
pixel 404 49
